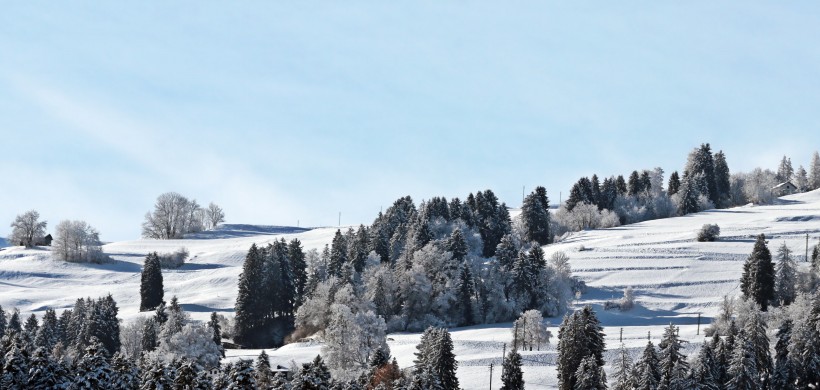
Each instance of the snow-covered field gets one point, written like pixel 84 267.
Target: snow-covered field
pixel 674 278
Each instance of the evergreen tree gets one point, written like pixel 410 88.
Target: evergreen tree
pixel 757 281
pixel 262 370
pixel 48 334
pixel 647 370
pixel 814 172
pixel 125 374
pixel 357 249
pixel 457 245
pixel 154 377
pixel 14 325
pixel 217 332
pixel 512 377
pixel 722 180
pixel 151 289
pixel 590 376
pixel 608 195
pixel 635 185
pixel 785 170
pixel 579 336
pixel 801 179
pixel 93 370
pixel 743 372
pixel 3 322
pixel 783 376
pixel 435 360
pixel 535 216
pixel 672 363
pixel 620 184
pixel 465 291
pixel 14 373
pixel 622 370
pixel 674 184
pixel 338 254
pixel 754 333
pixel 241 376
pixel 705 373
pixel 250 309
pixel 32 326
pixel 44 372
pixel 149 339
pixel 312 376
pixel 506 252
pixel 596 191
pixel 688 194
pixel 786 277
pixel 298 262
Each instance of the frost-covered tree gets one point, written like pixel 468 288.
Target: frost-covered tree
pixel 705 371
pixel 743 374
pixel 174 216
pixel 580 336
pixel 530 332
pixel 48 333
pixel 589 375
pixel 77 241
pixel 786 277
pixel 27 229
pixel 154 376
pixel 758 280
pixel 216 332
pixel 241 376
pixel 784 170
pixel 214 215
pixel 622 378
pixel 124 373
pixel 801 179
pixel 193 342
pixel 814 172
pixel 435 361
pixel 45 373
pixel 312 376
pixel 350 341
pixel 783 376
pixel 671 362
pixel 647 371
pixel 15 368
pixel 93 370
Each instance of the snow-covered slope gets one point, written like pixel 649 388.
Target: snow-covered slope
pixel 675 278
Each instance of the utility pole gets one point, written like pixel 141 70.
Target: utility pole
pixel 522 195
pixel 621 338
pixel 491 376
pixel 340 218
pixel 807 247
pixel 503 354
pixel 698 324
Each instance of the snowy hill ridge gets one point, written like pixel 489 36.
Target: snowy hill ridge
pixel 675 278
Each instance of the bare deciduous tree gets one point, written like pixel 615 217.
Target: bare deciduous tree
pixel 77 241
pixel 27 229
pixel 213 216
pixel 173 216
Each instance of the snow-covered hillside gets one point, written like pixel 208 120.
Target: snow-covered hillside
pixel 675 278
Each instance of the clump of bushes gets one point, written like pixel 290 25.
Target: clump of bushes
pixel 709 233
pixel 173 260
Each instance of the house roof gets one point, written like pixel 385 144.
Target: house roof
pixel 786 184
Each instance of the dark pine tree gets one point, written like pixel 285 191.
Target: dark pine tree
pixel 620 184
pixel 674 184
pixel 722 180
pixel 250 310
pixel 536 217
pixel 216 330
pixel 589 375
pixel 595 184
pixel 647 370
pixel 512 378
pixel 784 374
pixel 297 261
pixel 506 252
pixel 635 185
pixel 580 336
pixel 338 254
pixel 465 291
pixel 757 281
pixel 151 289
pixel 457 245
pixel 672 363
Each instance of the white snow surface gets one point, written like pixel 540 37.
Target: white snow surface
pixel 674 278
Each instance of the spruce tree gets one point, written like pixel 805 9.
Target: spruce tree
pixel 44 372
pixel 15 369
pixel 579 337
pixel 457 245
pixel 48 334
pixel 465 291
pixel 149 339
pixel 216 329
pixel 250 309
pixel 722 179
pixel 783 376
pixel 312 376
pixel 635 185
pixel 93 370
pixel 786 277
pixel 620 184
pixel 151 289
pixel 338 254
pixel 535 217
pixel 705 373
pixel 757 281
pixel 241 376
pixel 3 322
pixel 674 184
pixel 506 252
pixel 297 259
pixel 125 374
pixel 512 377
pixel 622 370
pixel 647 370
pixel 671 360
pixel 589 375
pixel 262 371
pixel 743 374
pixel 154 377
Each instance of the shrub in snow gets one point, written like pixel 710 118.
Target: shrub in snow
pixel 193 342
pixel 628 301
pixel 173 260
pixel 709 233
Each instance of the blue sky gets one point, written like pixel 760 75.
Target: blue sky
pixel 284 112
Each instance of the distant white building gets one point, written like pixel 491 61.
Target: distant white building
pixel 782 189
